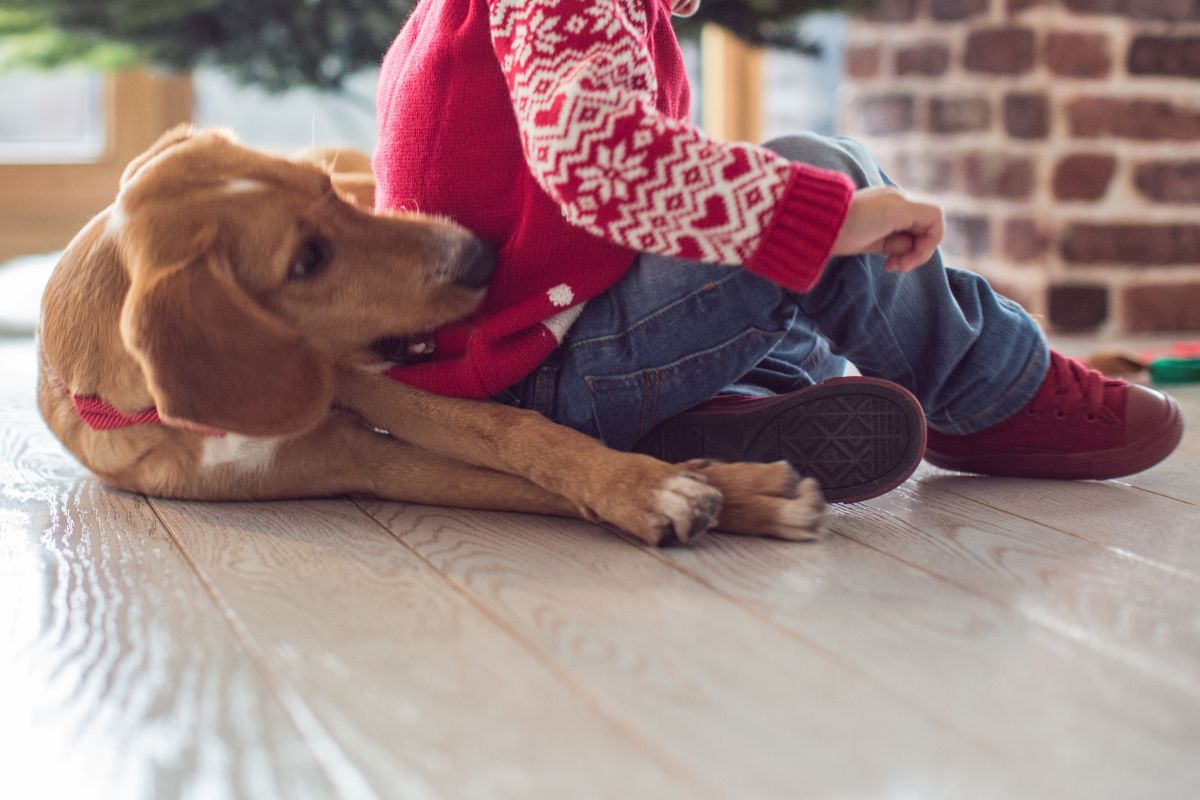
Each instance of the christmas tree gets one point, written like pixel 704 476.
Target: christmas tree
pixel 278 44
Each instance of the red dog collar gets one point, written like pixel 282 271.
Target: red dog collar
pixel 101 415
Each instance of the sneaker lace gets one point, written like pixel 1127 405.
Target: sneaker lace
pixel 1076 387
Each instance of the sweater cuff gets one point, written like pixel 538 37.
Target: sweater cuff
pixel 799 239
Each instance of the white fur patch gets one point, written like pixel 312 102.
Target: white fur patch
pixel 243 186
pixel 117 219
pixel 802 518
pixel 249 454
pixel 682 499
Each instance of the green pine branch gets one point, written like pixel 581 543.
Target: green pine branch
pixel 278 44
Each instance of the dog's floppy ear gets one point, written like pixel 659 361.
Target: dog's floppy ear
pixel 177 135
pixel 214 358
pixel 356 187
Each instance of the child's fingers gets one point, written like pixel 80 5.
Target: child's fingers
pixel 923 243
pixel 897 244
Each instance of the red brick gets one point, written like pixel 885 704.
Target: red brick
pixel 894 11
pixel 967 236
pixel 1161 307
pixel 930 59
pixel 1015 7
pixel 994 175
pixel 1084 176
pixel 862 61
pixel 1132 119
pixel 1000 51
pixel 1131 245
pixel 1073 307
pixel 1169 10
pixel 924 171
pixel 1027 116
pixel 887 114
pixel 956 9
pixel 1077 55
pixel 1175 56
pixel 1169 181
pixel 959 114
pixel 1028 290
pixel 1024 240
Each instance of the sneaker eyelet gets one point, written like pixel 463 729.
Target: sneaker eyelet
pixel 1091 417
pixel 1030 412
pixel 1060 414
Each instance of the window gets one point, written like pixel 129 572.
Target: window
pixel 52 117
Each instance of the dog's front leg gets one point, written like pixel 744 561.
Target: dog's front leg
pixel 651 499
pixel 344 455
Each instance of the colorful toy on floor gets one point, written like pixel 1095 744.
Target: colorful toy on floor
pixel 1177 364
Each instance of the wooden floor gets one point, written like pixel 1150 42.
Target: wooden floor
pixel 961 638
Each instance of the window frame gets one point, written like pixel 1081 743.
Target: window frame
pixel 42 205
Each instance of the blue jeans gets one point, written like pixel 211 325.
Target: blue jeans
pixel 673 333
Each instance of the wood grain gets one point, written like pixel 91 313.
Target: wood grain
pixel 960 637
pixel 1043 700
pixel 424 694
pixel 118 676
pixel 752 711
pixel 1179 476
pixel 1119 607
pixel 1151 528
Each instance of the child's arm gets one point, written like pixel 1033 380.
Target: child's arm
pixel 583 90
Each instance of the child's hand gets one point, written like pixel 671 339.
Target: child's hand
pixel 883 220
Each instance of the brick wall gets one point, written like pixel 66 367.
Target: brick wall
pixel 1061 136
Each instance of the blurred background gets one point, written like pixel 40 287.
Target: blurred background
pixel 1061 136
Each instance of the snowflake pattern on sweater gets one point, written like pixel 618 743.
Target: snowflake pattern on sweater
pixel 583 88
pixel 558 131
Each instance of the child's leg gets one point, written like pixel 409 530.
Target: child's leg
pixel 997 399
pixel 671 334
pixel 972 357
pixel 802 358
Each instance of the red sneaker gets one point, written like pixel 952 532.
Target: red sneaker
pixel 859 437
pixel 1079 425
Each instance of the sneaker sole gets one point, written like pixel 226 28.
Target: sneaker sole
pixel 1098 465
pixel 859 437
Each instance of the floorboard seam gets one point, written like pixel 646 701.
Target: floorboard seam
pixel 1170 570
pixel 352 785
pixel 985 744
pixel 1088 642
pixel 590 696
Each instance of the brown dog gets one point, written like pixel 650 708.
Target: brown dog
pixel 214 335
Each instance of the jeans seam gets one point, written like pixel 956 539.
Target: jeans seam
pixel 708 286
pixel 1034 372
pixel 708 354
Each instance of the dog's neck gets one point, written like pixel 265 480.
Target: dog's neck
pixel 85 351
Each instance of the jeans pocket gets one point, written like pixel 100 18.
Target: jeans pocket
pixel 538 391
pixel 625 407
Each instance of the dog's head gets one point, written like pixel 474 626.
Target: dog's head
pixel 249 275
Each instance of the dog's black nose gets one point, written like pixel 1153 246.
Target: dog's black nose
pixel 478 264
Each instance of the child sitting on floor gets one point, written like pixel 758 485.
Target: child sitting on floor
pixel 643 269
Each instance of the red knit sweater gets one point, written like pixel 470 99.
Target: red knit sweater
pixel 557 130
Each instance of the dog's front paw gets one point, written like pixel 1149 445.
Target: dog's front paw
pixel 684 507
pixel 766 500
pixel 658 503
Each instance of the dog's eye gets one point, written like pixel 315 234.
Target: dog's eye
pixel 312 258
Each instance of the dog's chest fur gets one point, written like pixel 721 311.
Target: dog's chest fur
pixel 245 453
